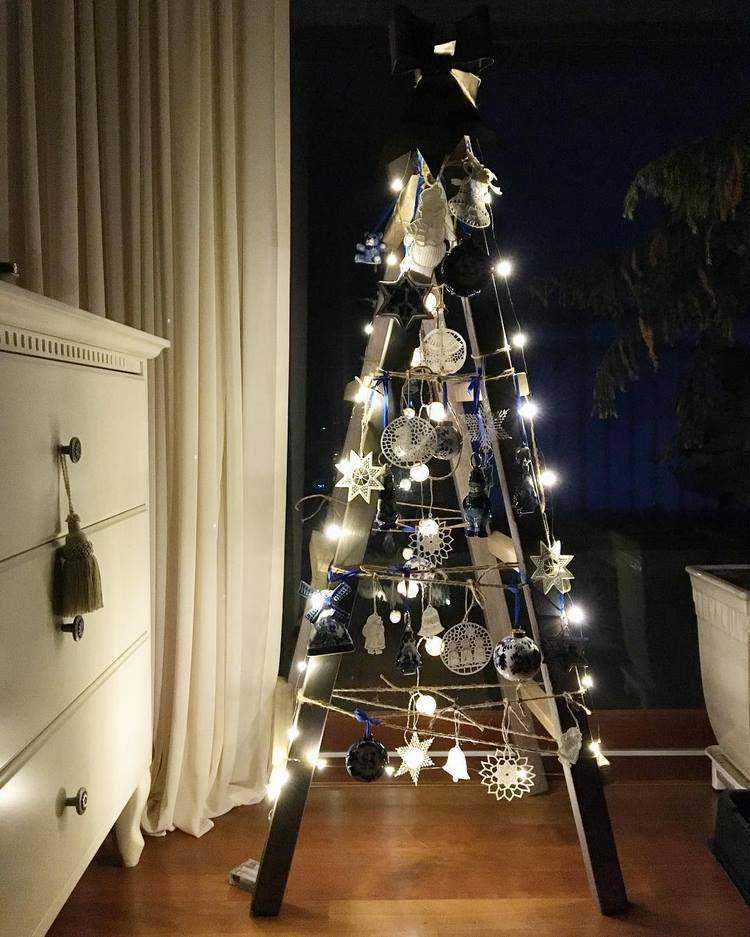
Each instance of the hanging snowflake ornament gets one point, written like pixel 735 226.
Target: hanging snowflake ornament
pixel 414 757
pixel 408 441
pixel 506 775
pixel 431 541
pixel 359 475
pixel 401 300
pixel 477 424
pixel 443 350
pixel 552 568
pixel 467 648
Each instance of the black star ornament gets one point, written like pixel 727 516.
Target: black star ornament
pixel 401 300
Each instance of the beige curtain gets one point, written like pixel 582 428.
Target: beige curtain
pixel 144 175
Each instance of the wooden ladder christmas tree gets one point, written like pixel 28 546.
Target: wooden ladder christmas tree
pixel 451 414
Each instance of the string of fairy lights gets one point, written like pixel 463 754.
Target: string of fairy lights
pixel 505 774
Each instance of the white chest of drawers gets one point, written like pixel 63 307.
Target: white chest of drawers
pixel 74 714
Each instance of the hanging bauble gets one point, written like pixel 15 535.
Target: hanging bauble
pixel 552 568
pixel 465 271
pixel 506 775
pixel 373 631
pixel 408 659
pixel 467 648
pixel 408 441
pixel 469 204
pixel 371 249
pixel 366 760
pixel 431 624
pixel 449 441
pixel 476 504
pixel 443 350
pixel 387 514
pixel 401 300
pixel 517 657
pixel 431 541
pixel 455 764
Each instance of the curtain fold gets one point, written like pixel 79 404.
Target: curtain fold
pixel 144 155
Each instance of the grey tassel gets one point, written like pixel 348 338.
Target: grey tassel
pixel 78 585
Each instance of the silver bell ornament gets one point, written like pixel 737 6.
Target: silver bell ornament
pixel 517 657
pixel 469 204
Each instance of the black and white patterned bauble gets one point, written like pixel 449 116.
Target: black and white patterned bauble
pixel 449 441
pixel 466 270
pixel 366 759
pixel 517 657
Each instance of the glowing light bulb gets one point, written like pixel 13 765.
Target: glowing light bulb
pixel 391 259
pixel 595 747
pixel 413 757
pixel 279 777
pixel 396 184
pixel 576 615
pixel 409 413
pixel 528 410
pixel 332 531
pixel 425 704
pixel 416 358
pixel 434 645
pixel 419 472
pixel 407 553
pixel 430 302
pixel 390 770
pixel 408 588
pixel 518 340
pixel 321 763
pixel 405 484
pixel 369 328
pixel 437 411
pixel 428 527
pixel 522 774
pixel 302 666
pixel 587 681
pixel 395 616
pixel 292 733
pixel 504 268
pixel 447 601
pixel 548 478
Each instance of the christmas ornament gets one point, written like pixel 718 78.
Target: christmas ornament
pixel 371 249
pixel 443 350
pixel 569 745
pixel 366 759
pixel 373 632
pixel 414 757
pixel 477 423
pixel 427 234
pixel 506 775
pixel 467 648
pixel 408 441
pixel 552 568
pixel 455 764
pixel 359 475
pixel 449 442
pixel 431 625
pixel 517 657
pixel 465 271
pixel 525 500
pixel 476 504
pixel 401 300
pixel 431 541
pixel 408 659
pixel 330 619
pixel 469 204
pixel 501 546
pixel 425 704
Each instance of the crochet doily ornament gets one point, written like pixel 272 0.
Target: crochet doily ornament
pixel 467 648
pixel 443 351
pixel 506 775
pixel 469 204
pixel 408 440
pixel 431 541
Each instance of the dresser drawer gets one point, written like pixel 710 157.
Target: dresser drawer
pixel 42 669
pixel 102 744
pixel 43 403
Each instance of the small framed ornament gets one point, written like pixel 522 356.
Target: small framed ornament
pixel 408 441
pixel 443 350
pixel 467 648
pixel 506 774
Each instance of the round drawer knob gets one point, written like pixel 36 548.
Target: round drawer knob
pixel 73 450
pixel 74 627
pixel 80 801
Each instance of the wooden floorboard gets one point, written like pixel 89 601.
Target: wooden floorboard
pixel 441 860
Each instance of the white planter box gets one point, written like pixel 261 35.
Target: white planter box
pixel 722 605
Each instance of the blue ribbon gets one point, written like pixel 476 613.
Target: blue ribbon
pixel 515 590
pixel 384 381
pixel 367 721
pixel 344 576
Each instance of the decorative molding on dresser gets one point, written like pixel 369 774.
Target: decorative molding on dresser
pixel 75 695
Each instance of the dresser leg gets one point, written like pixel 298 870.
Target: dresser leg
pixel 128 824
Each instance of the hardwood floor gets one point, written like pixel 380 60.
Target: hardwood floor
pixel 389 860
